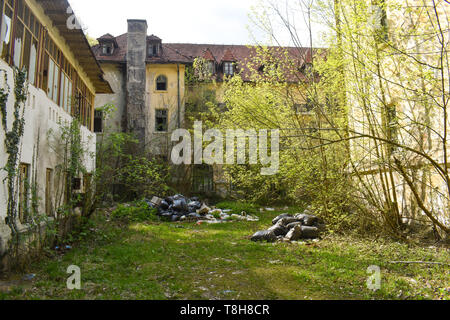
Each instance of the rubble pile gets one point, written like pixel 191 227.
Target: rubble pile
pixel 180 208
pixel 287 227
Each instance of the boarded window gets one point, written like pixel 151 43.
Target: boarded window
pixel 161 120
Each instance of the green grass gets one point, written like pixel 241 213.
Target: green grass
pixel 238 207
pixel 159 260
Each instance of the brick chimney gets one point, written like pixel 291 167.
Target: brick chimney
pixel 136 110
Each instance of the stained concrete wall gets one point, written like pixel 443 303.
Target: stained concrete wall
pixel 136 111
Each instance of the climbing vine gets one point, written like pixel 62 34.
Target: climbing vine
pixel 13 139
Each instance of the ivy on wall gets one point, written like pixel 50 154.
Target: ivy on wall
pixel 13 138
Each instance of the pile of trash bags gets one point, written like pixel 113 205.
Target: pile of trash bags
pixel 287 227
pixel 180 208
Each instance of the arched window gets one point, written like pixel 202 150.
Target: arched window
pixel 161 83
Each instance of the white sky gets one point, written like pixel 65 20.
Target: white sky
pixel 182 21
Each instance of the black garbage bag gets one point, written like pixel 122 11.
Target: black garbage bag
pixel 308 220
pixel 175 218
pixel 180 205
pixel 194 215
pixel 310 232
pixel 265 235
pixel 281 216
pixel 279 229
pixel 179 197
pixel 293 224
pixel 294 234
pixel 288 220
pixel 194 206
pixel 194 199
pixel 166 215
pixel 169 200
pixel 164 205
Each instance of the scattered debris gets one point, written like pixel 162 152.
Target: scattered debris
pixel 287 228
pixel 29 277
pixel 180 208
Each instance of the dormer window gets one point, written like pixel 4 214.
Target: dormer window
pixel 107 44
pixel 228 68
pixel 154 46
pixel 107 49
pixel 211 67
pixel 153 50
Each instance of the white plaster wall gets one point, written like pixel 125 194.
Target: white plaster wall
pixel 41 115
pixel 115 75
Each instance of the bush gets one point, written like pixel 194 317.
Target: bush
pixel 238 207
pixel 137 212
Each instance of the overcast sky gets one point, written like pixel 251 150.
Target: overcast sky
pixel 182 21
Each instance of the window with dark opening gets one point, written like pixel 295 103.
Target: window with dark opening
pixel 304 107
pixel 24 184
pixel 76 184
pixel 153 50
pixel 98 121
pixel 161 83
pixel 107 49
pixel 161 120
pixel 203 178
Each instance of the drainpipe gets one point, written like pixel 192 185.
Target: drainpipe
pixel 178 88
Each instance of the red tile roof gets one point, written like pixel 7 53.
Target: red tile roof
pixel 186 53
pixel 207 55
pixel 228 56
pixel 107 36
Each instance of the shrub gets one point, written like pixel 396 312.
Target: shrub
pixel 137 212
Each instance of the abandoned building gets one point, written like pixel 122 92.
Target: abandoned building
pixel 150 93
pixel 63 79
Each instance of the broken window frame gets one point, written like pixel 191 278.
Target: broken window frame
pixel 25 26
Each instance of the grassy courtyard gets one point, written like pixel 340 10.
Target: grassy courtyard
pixel 160 260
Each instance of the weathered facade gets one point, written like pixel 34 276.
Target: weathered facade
pixel 398 91
pixel 63 78
pixel 162 109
